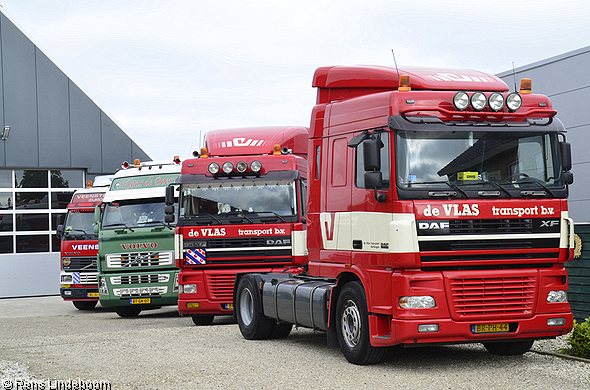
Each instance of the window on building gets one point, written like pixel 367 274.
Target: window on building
pixel 30 202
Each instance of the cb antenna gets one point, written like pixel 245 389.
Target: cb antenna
pixel 514 75
pixel 395 62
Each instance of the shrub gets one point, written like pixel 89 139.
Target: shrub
pixel 579 340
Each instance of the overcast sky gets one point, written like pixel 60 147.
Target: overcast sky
pixel 169 71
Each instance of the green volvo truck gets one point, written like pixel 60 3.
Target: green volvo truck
pixel 136 262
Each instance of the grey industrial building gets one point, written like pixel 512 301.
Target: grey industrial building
pixel 566 80
pixel 53 139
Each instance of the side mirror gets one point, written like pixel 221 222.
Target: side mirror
pixel 169 218
pixel 566 155
pixel 169 196
pixel 374 180
pixel 59 231
pixel 372 154
pixel 568 177
pixel 97 210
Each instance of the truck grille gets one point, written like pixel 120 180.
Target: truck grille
pixel 140 279
pixel 493 297
pixel 242 250
pixel 221 286
pixel 139 259
pixel 80 263
pixel 86 278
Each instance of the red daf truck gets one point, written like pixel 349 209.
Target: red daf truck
pixel 79 246
pixel 436 213
pixel 242 209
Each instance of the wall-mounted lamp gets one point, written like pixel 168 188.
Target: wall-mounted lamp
pixel 5 132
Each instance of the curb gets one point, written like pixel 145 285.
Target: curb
pixel 562 356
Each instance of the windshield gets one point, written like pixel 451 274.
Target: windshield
pixel 79 223
pixel 227 199
pixel 133 213
pixel 471 158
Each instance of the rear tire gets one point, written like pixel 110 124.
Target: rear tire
pixel 509 347
pixel 127 311
pixel 253 324
pixel 352 326
pixel 203 319
pixel 84 305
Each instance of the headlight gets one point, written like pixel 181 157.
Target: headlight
pixel 461 100
pixel 513 101
pixel 241 166
pixel 478 101
pixel 557 296
pixel 66 279
pixel 103 286
pixel 496 101
pixel 256 166
pixel 420 302
pixel 227 167
pixel 213 168
pixel 188 288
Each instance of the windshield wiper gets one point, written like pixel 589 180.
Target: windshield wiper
pixel 119 224
pixel 69 233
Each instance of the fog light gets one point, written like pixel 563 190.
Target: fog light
pixel 427 328
pixel 102 289
pixel 154 290
pixel 227 167
pixel 189 288
pixel 496 101
pixel 513 101
pixel 66 278
pixel 557 296
pixel 68 292
pixel 241 166
pixel 124 291
pixel 213 168
pixel 556 322
pixel 193 304
pixel 478 101
pixel 256 166
pixel 420 302
pixel 144 290
pixel 461 100
pixel 134 291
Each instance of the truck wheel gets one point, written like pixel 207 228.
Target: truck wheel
pixel 203 319
pixel 84 305
pixel 127 311
pixel 352 326
pixel 509 347
pixel 253 324
pixel 280 331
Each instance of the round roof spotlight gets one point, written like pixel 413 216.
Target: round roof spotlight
pixel 256 166
pixel 227 167
pixel 496 101
pixel 478 101
pixel 513 101
pixel 461 100
pixel 214 168
pixel 241 166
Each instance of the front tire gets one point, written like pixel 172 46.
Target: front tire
pixel 252 323
pixel 84 305
pixel 203 319
pixel 352 326
pixel 508 348
pixel 127 311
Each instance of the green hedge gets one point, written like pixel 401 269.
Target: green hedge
pixel 579 340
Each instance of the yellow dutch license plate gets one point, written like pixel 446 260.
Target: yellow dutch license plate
pixel 140 301
pixel 491 328
pixel 92 295
pixel 228 306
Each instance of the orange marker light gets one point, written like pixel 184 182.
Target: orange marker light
pixel 404 83
pixel 526 86
pixel 204 153
pixel 276 149
pixel 136 163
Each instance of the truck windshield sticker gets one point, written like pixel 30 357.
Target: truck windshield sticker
pixel 138 182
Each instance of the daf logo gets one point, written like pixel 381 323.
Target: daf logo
pixel 442 225
pixel 284 241
pixel 550 223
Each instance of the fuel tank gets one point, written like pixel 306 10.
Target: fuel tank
pixel 297 301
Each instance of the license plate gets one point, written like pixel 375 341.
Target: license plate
pixel 93 295
pixel 490 328
pixel 228 306
pixel 140 301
